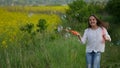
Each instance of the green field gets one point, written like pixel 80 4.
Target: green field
pixel 44 50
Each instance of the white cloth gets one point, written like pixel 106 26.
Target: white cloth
pixel 94 39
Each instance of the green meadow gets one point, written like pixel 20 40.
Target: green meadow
pixel 50 49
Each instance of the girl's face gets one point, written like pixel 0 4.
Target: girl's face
pixel 92 21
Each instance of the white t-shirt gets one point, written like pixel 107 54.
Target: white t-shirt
pixel 94 39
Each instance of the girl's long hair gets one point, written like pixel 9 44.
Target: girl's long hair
pixel 99 22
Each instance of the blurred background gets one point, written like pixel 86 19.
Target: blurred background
pixel 32 32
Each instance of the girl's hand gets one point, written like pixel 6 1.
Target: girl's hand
pixel 107 38
pixel 74 32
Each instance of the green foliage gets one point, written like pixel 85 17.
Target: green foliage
pixel 113 8
pixel 79 12
pixel 42 25
pixel 28 27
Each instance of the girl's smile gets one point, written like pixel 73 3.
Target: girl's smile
pixel 92 21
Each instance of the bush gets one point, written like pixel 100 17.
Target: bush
pixel 42 25
pixel 79 12
pixel 113 8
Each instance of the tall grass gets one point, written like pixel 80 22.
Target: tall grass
pixel 51 51
pixel 43 52
pixel 111 57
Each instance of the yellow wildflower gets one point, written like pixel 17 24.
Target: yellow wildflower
pixel 4 44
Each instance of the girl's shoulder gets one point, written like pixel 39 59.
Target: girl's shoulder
pixel 103 28
pixel 87 29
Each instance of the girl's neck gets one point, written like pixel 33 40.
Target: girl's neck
pixel 94 27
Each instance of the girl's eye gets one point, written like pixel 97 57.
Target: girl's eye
pixel 89 19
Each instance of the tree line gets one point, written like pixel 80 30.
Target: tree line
pixel 33 2
pixel 41 2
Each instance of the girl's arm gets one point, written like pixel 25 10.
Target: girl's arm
pixel 79 37
pixel 106 35
pixel 83 38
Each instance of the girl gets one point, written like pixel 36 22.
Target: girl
pixel 95 36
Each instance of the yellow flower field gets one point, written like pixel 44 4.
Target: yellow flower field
pixel 11 18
